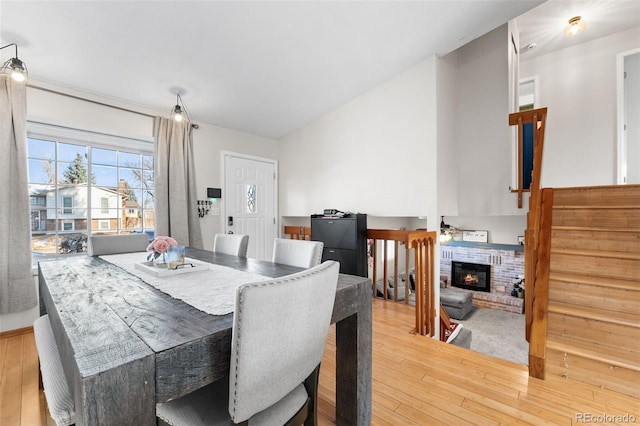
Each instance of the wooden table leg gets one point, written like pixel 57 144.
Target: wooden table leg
pixel 353 364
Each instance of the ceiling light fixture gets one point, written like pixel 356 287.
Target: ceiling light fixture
pixel 576 26
pixel 177 113
pixel 14 67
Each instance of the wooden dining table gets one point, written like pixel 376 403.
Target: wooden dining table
pixel 125 345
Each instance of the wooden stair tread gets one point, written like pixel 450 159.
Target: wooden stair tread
pixel 592 228
pixel 611 356
pixel 595 281
pixel 597 253
pixel 598 195
pixel 603 315
pixel 596 207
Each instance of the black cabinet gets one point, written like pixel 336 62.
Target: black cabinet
pixel 345 240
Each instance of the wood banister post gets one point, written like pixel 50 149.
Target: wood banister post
pixel 375 264
pixel 540 296
pixel 520 156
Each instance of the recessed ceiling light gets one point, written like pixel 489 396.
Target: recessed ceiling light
pixel 576 26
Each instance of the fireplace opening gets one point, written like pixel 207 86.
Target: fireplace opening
pixel 471 276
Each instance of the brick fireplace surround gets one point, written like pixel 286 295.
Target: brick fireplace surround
pixel 506 260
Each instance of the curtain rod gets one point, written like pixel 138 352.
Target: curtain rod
pixel 89 100
pixel 44 89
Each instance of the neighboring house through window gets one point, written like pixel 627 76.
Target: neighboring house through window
pixel 84 183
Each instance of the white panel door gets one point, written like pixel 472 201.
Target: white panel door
pixel 250 202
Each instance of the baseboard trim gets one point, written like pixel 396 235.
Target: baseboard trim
pixel 17 332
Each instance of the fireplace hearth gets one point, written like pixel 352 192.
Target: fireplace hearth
pixel 471 276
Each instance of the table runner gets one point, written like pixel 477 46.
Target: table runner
pixel 212 291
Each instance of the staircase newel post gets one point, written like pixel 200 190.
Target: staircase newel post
pixel 540 301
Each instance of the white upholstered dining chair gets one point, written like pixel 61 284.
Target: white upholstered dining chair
pixel 279 332
pixel 56 390
pixel 115 244
pixel 305 254
pixel 235 245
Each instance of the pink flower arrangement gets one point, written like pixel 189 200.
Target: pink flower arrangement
pixel 159 245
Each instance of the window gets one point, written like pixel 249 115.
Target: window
pixel 38 201
pixel 251 198
pixel 104 205
pixel 67 205
pixel 523 154
pixel 84 184
pixel 35 220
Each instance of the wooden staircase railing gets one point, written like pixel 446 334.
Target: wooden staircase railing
pixel 421 244
pixel 298 232
pixel 536 250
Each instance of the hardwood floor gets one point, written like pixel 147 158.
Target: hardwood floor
pixel 416 381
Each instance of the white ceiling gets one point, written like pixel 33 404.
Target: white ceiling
pixel 263 67
pixel 545 24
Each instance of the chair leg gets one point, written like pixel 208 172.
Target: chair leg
pixel 311 385
pixel 40 384
pixel 301 415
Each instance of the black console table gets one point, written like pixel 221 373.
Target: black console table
pixel 345 240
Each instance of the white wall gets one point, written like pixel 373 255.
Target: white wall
pixel 446 166
pixel 474 140
pixel 502 229
pixel 578 85
pixel 483 136
pixel 373 155
pixel 632 116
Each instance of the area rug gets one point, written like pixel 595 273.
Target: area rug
pixel 498 333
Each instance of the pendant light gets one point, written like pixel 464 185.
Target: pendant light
pixel 179 112
pixel 14 67
pixel 176 113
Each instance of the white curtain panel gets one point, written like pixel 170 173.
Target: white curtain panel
pixel 17 287
pixel 175 183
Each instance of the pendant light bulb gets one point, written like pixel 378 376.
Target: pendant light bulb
pixel 17 70
pixel 14 67
pixel 177 113
pixel 180 113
